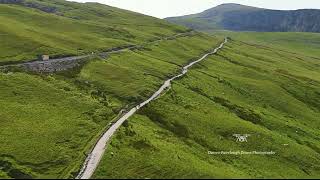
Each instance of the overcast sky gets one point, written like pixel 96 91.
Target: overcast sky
pixel 168 8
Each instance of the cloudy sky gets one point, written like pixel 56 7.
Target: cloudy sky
pixel 167 8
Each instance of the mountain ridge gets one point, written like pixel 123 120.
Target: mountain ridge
pixel 237 17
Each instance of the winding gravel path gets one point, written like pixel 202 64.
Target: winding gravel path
pixel 96 154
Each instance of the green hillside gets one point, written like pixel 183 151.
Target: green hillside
pixel 49 122
pixel 72 28
pixel 270 92
pixel 294 42
pixel 263 84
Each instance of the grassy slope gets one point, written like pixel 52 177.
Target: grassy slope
pixel 73 29
pixel 46 125
pixel 263 91
pixel 308 43
pixel 49 122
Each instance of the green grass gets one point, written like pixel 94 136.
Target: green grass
pixel 74 29
pixel 245 89
pixel 50 121
pixel 134 75
pixel 306 44
pixel 46 125
pixel 267 85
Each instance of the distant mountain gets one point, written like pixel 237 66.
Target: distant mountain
pixel 238 17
